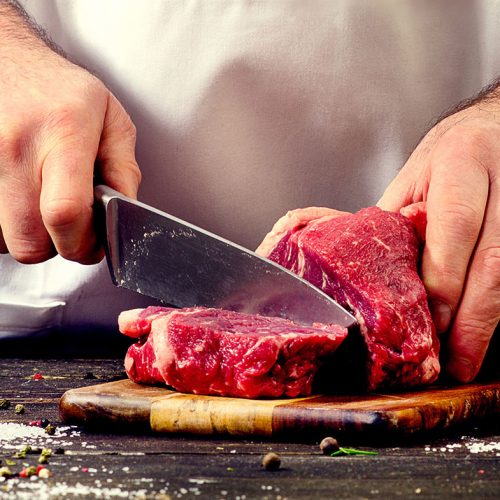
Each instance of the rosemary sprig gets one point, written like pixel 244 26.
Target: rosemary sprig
pixel 352 451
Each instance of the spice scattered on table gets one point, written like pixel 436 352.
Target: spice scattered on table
pixel 271 461
pixel 329 445
pixel 38 376
pixel 44 473
pixel 4 404
pixel 50 429
pixel 19 409
pixel 5 472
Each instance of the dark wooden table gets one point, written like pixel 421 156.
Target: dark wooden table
pixel 126 465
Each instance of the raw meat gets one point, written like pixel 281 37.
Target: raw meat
pixel 367 262
pixel 213 351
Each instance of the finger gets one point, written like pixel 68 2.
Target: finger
pixel 23 231
pixel 66 198
pixel 479 310
pixel 456 202
pixel 116 155
pixel 407 187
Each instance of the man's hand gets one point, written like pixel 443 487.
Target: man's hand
pixel 456 170
pixel 56 122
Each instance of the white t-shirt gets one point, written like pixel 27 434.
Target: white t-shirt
pixel 245 110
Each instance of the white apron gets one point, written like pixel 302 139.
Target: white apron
pixel 246 109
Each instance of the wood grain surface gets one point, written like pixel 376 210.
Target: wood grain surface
pixel 461 464
pixel 399 414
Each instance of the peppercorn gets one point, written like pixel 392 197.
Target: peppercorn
pixel 28 471
pixel 89 376
pixel 19 409
pixel 329 445
pixel 46 452
pixel 50 429
pixel 271 461
pixel 59 451
pixel 5 472
pixel 44 473
pixel 4 404
pixel 44 422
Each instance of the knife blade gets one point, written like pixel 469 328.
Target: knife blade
pixel 161 256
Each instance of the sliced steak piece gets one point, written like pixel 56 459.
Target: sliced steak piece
pixel 368 262
pixel 213 351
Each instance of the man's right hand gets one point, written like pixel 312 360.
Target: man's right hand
pixel 56 122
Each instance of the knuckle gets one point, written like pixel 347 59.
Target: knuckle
pixel 460 219
pixel 471 139
pixel 490 259
pixel 15 144
pixel 476 331
pixel 487 261
pixel 132 170
pixel 30 250
pixel 57 213
pixel 66 119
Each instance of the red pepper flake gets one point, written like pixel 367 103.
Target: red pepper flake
pixel 85 469
pixel 39 468
pixel 38 376
pixel 481 471
pixel 23 473
pixel 35 423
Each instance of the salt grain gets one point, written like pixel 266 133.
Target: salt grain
pixel 482 447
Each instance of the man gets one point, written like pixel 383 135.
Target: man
pixel 245 110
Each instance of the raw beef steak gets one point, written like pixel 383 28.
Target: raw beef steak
pixel 213 351
pixel 368 262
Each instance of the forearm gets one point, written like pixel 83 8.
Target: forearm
pixel 19 32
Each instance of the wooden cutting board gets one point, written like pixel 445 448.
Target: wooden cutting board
pixel 161 410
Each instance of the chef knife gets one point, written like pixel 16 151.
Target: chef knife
pixel 158 255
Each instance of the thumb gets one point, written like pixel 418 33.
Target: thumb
pixel 402 191
pixel 116 163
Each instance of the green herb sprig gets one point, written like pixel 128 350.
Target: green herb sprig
pixel 351 451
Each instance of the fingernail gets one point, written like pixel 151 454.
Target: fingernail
pixel 461 369
pixel 441 315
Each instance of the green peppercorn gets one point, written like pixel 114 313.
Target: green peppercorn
pixel 4 404
pixel 50 429
pixel 5 472
pixel 19 409
pixel 329 445
pixel 46 452
pixel 31 471
pixel 271 461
